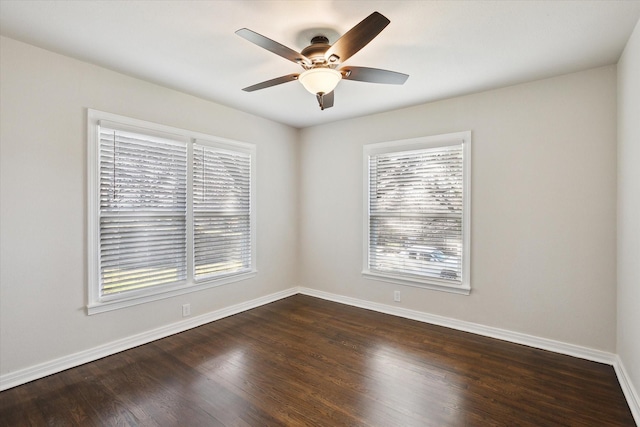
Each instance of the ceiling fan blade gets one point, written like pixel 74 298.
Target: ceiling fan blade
pixel 356 38
pixel 272 82
pixel 272 46
pixel 327 100
pixel 373 75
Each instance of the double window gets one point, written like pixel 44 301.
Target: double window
pixel 170 211
pixel 417 205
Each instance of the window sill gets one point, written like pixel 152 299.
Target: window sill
pixel 104 306
pixel 432 284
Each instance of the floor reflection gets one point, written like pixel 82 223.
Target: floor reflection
pixel 419 390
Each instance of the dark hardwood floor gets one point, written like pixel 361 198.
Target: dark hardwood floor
pixel 303 361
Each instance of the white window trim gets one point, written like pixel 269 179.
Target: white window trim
pixel 96 304
pixel 416 144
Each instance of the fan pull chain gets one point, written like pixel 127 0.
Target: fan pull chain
pixel 114 167
pixel 204 165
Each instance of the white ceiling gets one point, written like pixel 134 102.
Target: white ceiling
pixel 448 48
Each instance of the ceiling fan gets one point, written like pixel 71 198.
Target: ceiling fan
pixel 322 62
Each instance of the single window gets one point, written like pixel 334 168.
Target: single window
pixel 143 211
pixel 221 212
pixel 417 209
pixel 170 211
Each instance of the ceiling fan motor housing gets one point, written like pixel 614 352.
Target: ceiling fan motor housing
pixel 316 50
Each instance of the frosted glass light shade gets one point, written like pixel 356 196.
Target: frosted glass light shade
pixel 320 80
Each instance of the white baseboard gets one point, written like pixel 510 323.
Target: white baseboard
pixel 461 325
pixel 23 376
pixel 31 373
pixel 630 393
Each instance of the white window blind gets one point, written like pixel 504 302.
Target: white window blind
pixel 221 212
pixel 417 212
pixel 142 211
pixel 170 211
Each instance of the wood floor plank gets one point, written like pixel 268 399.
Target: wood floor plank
pixel 303 361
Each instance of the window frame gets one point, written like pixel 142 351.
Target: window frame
pixel 421 143
pixel 97 303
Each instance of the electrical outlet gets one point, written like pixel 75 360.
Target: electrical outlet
pixel 186 310
pixel 396 296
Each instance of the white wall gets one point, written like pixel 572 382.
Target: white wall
pixel 43 268
pixel 629 209
pixel 543 207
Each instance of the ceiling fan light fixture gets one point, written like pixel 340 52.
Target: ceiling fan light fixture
pixel 320 80
pixel 322 62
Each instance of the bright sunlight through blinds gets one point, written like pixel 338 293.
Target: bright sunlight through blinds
pixel 221 212
pixel 143 196
pixel 415 213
